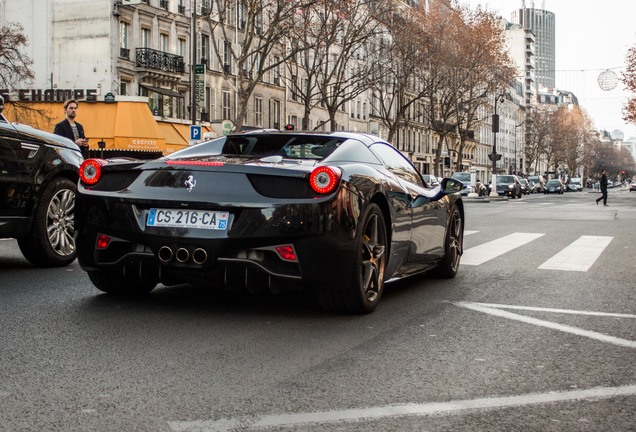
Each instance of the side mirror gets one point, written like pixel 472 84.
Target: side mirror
pixel 450 185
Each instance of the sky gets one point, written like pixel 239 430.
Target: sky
pixel 591 37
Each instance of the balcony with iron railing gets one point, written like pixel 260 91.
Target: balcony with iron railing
pixel 152 59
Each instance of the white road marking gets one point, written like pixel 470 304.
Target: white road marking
pixel 487 251
pixel 552 310
pixel 579 256
pixel 551 325
pixel 249 423
pixel 469 232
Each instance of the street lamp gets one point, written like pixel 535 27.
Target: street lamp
pixel 495 156
pixel 516 126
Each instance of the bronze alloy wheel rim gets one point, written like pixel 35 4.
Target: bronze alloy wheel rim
pixel 60 222
pixel 456 241
pixel 373 258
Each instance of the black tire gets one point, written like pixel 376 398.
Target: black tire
pixel 364 290
pixel 51 241
pixel 453 247
pixel 134 278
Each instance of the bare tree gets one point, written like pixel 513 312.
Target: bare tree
pixel 575 130
pixel 537 137
pixel 629 79
pixel 484 67
pixel 15 70
pixel 397 56
pixel 251 35
pixel 347 27
pixel 15 65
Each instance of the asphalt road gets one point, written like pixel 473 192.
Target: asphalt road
pixel 536 333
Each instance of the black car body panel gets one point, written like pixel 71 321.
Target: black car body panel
pixel 269 203
pixel 30 160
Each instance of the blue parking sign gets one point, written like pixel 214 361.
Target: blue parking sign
pixel 195 133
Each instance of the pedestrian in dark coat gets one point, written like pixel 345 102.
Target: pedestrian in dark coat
pixel 71 129
pixel 603 183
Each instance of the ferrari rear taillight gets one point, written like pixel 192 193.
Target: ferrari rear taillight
pixel 325 179
pixel 90 171
pixel 103 241
pixel 286 252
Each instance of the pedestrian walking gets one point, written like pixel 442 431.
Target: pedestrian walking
pixel 603 183
pixel 71 129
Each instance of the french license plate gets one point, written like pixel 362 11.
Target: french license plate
pixel 180 218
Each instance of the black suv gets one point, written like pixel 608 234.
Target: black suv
pixel 38 181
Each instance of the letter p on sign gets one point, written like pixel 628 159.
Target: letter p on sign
pixel 195 133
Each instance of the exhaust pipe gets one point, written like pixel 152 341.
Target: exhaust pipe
pixel 165 254
pixel 199 256
pixel 182 255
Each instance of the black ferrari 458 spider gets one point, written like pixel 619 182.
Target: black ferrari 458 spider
pixel 337 213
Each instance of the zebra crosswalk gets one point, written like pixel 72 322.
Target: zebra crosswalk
pixel 580 255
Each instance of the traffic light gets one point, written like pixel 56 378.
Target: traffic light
pixel 289 126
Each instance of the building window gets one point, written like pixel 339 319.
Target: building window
pixel 241 18
pixel 294 88
pixel 275 114
pixel 276 71
pixel 227 105
pixel 164 41
pixel 227 57
pixel 123 88
pixel 182 47
pixel 258 111
pixel 204 50
pixel 124 50
pixel 145 38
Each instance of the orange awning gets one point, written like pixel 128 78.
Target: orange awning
pixel 125 125
pixel 174 139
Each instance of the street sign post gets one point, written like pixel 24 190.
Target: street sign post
pixel 195 134
pixel 199 83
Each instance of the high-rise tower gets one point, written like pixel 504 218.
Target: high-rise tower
pixel 542 23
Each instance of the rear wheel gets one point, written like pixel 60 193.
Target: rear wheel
pixel 363 292
pixel 453 247
pixel 135 277
pixel 51 242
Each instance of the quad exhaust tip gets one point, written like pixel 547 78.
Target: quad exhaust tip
pixel 166 254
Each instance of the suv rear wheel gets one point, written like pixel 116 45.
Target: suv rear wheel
pixel 51 241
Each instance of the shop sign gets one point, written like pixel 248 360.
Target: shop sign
pixel 50 95
pixel 199 83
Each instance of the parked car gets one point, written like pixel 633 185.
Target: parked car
pixel 632 185
pixel 537 183
pixel 463 177
pixel 575 185
pixel 39 173
pixel 525 186
pixel 508 185
pixel 554 186
pixel 356 205
pixel 431 180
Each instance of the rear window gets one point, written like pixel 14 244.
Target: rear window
pixel 288 146
pixel 314 147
